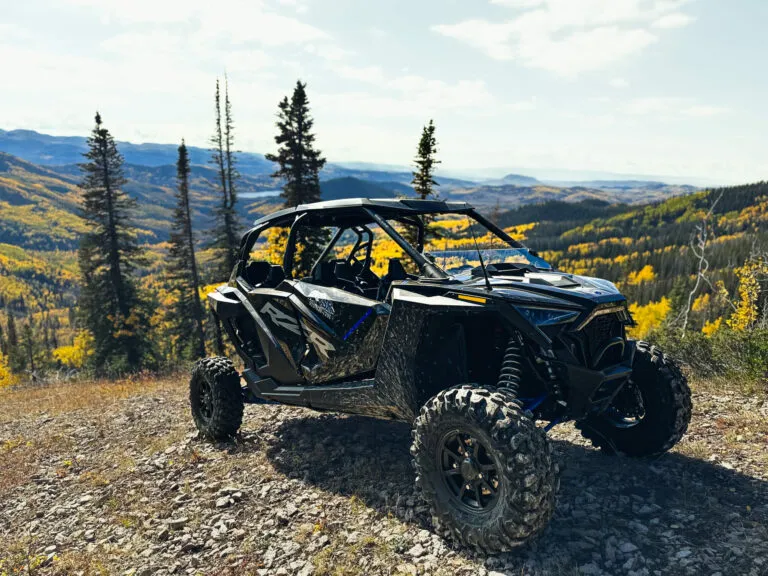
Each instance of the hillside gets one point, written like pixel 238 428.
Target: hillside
pixel 615 242
pixel 40 203
pixel 520 194
pixel 111 478
pixel 349 187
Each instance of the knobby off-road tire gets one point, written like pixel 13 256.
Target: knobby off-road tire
pixel 216 398
pixel 667 402
pixel 526 471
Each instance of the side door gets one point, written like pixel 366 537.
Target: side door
pixel 283 341
pixel 343 331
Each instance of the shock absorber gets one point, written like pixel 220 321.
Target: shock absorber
pixel 512 366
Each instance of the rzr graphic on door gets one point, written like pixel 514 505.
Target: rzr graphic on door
pixel 343 332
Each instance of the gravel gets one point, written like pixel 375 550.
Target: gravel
pixel 133 490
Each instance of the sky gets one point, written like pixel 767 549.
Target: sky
pixel 661 87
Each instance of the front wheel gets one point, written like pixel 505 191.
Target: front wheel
pixel 650 414
pixel 485 469
pixel 216 398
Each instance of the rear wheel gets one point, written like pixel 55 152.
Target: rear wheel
pixel 485 469
pixel 650 415
pixel 216 398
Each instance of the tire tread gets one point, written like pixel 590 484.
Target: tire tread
pixel 227 397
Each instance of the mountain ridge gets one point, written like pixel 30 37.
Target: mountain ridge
pixel 46 149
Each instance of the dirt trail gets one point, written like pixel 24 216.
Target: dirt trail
pixel 129 488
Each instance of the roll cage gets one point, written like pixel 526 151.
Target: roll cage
pixel 357 215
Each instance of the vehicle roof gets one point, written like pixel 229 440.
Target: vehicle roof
pixel 351 207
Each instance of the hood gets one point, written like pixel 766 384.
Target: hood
pixel 548 288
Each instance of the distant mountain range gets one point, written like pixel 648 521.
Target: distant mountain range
pixel 39 176
pixel 47 150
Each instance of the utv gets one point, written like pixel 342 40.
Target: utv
pixel 472 343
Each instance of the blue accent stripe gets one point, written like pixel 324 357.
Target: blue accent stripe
pixel 533 403
pixel 357 324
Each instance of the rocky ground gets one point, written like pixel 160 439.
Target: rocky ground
pixel 92 483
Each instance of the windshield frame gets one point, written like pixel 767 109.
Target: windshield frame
pixel 498 232
pixel 432 269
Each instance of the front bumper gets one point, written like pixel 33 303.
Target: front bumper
pixel 592 391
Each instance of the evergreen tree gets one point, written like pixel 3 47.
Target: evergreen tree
pixel 232 174
pixel 222 157
pixel 187 314
pixel 15 358
pixel 423 178
pixel 299 165
pixel 13 337
pixel 111 306
pixel 29 346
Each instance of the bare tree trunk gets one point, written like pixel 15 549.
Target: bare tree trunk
pixel 699 249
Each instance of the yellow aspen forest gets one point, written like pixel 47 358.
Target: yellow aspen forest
pixel 644 249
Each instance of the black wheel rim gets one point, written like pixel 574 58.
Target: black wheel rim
pixel 628 408
pixel 205 400
pixel 469 471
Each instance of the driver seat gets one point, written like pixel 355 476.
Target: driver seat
pixel 395 271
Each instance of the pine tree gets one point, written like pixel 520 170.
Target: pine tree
pixel 13 338
pixel 29 345
pixel 232 174
pixel 15 358
pixel 223 158
pixel 299 165
pixel 423 178
pixel 187 314
pixel 111 306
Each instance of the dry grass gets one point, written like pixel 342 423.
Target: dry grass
pixel 729 385
pixel 343 559
pixel 66 397
pixel 19 458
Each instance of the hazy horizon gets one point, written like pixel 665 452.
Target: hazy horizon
pixel 479 173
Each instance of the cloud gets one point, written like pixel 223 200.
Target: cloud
pixel 370 74
pixel 618 83
pixel 409 94
pixel 328 51
pixel 701 111
pixel 519 3
pixel 299 7
pixel 522 105
pixel 670 106
pixel 652 105
pixel 242 21
pixel 490 37
pixel 568 37
pixel 674 20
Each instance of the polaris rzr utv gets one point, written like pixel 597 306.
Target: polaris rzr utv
pixel 471 337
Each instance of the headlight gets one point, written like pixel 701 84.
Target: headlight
pixel 547 316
